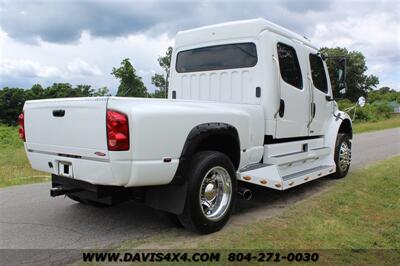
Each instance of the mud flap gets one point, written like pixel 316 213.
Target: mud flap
pixel 170 198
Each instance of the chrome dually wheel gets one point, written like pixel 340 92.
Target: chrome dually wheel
pixel 215 193
pixel 344 156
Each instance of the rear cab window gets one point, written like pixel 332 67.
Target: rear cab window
pixel 318 73
pixel 218 57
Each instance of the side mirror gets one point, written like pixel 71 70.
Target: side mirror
pixel 361 101
pixel 341 76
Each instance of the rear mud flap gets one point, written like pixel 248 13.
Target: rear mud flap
pixel 170 198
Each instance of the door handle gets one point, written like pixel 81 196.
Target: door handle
pixel 312 110
pixel 281 108
pixel 58 113
pixel 329 98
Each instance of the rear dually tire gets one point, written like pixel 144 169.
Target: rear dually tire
pixel 211 192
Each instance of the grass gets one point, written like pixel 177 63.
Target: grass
pixel 14 166
pixel 360 212
pixel 379 125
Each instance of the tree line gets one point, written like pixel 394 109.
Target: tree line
pixel 12 99
pixel 131 84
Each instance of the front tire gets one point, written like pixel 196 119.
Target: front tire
pixel 342 155
pixel 211 192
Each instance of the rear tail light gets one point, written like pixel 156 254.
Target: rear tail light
pixel 117 131
pixel 21 129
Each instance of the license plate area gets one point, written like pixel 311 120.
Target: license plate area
pixel 65 169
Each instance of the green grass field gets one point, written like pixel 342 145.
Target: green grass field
pixel 14 165
pixel 379 125
pixel 360 212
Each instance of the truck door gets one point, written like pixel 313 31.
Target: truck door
pixel 321 95
pixel 292 115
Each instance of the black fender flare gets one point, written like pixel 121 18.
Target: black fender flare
pixel 346 127
pixel 196 136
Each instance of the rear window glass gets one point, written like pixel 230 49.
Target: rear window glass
pixel 217 57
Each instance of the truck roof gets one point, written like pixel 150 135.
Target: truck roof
pixel 235 30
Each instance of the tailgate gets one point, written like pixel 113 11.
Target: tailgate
pixel 71 126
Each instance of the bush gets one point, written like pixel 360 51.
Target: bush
pixel 9 137
pixel 344 104
pixel 369 113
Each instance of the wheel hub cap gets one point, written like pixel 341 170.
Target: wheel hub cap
pixel 210 192
pixel 215 193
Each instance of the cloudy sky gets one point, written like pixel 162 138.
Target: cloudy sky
pixel 80 41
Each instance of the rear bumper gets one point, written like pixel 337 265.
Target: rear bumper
pixel 107 172
pixel 170 198
pixel 97 193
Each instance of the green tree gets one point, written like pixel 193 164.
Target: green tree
pixel 358 82
pixel 161 80
pixel 11 102
pixel 65 90
pixel 383 94
pixel 103 91
pixel 83 91
pixel 37 92
pixel 130 83
pixel 384 90
pixel 59 90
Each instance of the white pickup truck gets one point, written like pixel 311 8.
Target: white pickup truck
pixel 249 102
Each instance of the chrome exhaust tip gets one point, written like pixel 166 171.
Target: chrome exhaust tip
pixel 57 191
pixel 245 193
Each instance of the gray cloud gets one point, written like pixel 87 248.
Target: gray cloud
pixel 60 21
pixel 63 22
pixel 305 6
pixel 368 26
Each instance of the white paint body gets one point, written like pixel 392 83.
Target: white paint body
pixel 159 127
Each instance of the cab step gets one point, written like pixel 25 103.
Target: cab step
pixel 297 156
pixel 302 177
pixel 268 175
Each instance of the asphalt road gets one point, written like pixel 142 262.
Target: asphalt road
pixel 31 219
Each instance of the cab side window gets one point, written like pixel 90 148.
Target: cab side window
pixel 289 65
pixel 318 73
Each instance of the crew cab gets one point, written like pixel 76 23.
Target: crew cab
pixel 249 102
